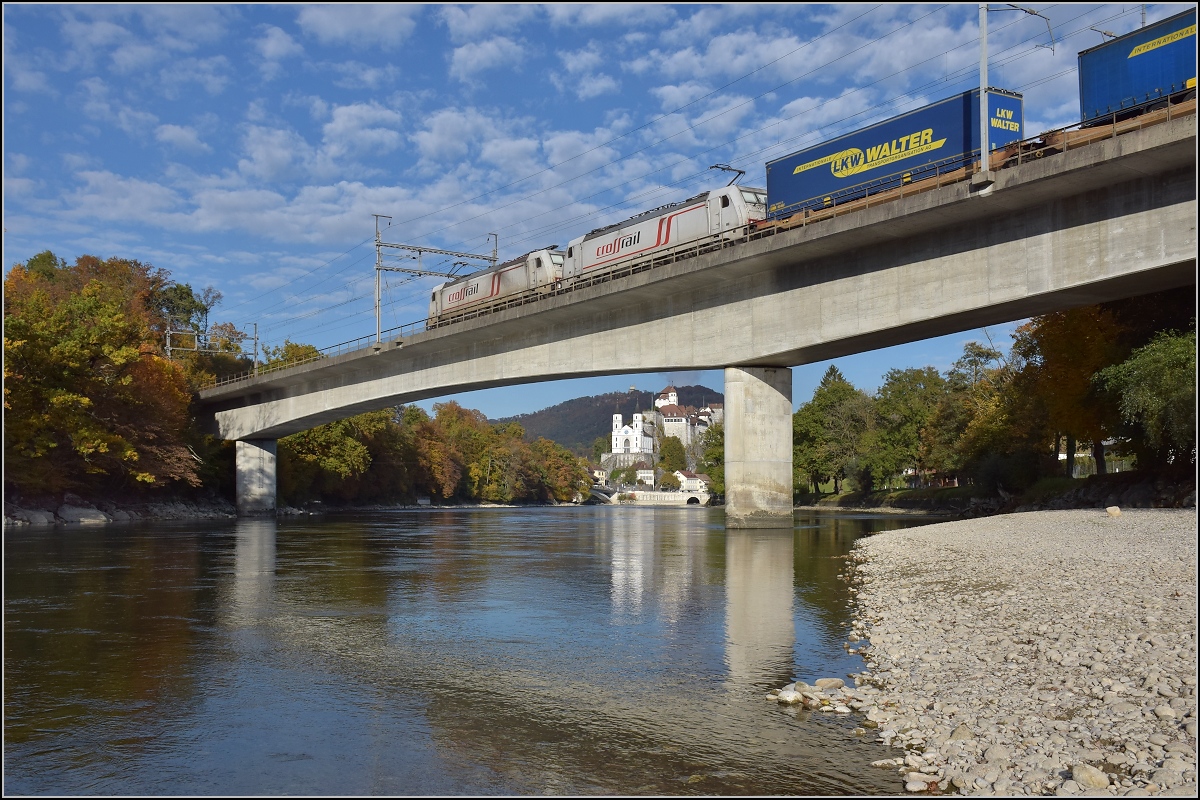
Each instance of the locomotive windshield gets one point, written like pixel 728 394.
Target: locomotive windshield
pixel 557 259
pixel 754 198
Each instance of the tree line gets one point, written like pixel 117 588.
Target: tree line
pixel 1122 373
pixel 93 406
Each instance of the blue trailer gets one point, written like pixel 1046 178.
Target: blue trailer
pixel 1122 76
pixel 940 137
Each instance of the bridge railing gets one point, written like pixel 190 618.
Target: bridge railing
pixel 1046 143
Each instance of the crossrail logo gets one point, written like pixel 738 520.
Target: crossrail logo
pixel 618 244
pixel 462 293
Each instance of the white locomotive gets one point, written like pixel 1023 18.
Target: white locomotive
pixel 721 213
pixel 718 214
pixel 536 270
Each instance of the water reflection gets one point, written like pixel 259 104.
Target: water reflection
pixel 759 633
pixel 659 555
pixel 505 651
pixel 253 570
pixel 632 559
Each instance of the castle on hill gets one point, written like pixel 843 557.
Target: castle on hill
pixel 641 439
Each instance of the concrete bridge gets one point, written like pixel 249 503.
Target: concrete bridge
pixel 1112 219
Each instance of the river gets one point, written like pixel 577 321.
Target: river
pixel 565 650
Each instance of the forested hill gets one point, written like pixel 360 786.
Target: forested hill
pixel 575 424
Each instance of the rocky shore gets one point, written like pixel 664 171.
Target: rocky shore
pixel 1043 653
pixel 74 510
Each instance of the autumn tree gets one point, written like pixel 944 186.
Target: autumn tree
pixel 90 403
pixel 1062 352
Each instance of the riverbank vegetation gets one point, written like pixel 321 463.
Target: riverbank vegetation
pixel 93 406
pixel 1116 380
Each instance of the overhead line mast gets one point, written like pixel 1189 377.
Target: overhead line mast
pixel 419 271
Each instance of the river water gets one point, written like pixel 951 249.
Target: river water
pixel 566 650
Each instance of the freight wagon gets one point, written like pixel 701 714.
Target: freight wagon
pixel 1138 71
pixel 938 138
pixel 720 213
pixel 538 270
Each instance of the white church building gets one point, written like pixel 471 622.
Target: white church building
pixel 631 438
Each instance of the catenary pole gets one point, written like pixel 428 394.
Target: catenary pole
pixel 984 160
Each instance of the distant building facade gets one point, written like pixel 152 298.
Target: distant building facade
pixel 631 438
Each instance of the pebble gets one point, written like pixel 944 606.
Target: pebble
pixel 1088 776
pixel 1031 654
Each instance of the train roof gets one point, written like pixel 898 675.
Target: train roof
pixel 657 212
pixel 654 212
pixel 1167 21
pixel 552 248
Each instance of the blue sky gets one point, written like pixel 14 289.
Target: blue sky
pixel 247 146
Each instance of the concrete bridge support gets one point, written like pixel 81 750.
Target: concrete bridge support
pixel 255 463
pixel 758 447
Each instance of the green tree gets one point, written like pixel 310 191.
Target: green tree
pixel 45 265
pixel 669 482
pixel 905 404
pixel 671 457
pixel 712 459
pixel 832 433
pixel 1157 388
pixel 289 352
pixel 599 448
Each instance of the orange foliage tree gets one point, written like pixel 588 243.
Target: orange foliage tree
pixel 90 404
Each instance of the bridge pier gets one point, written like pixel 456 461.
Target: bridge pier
pixel 758 447
pixel 255 465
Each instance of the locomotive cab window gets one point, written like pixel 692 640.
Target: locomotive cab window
pixel 724 201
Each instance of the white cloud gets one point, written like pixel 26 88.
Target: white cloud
pixel 211 73
pixel 317 107
pixel 581 61
pixel 356 75
pixel 361 129
pixel 107 196
pixel 276 44
pixel 97 104
pixel 181 138
pixel 468 23
pixel 582 78
pixel 626 14
pixel 474 58
pixel 675 96
pixel 449 133
pixel 273 153
pixel 24 79
pixel 18 186
pixel 383 25
pixel 595 85
pixel 137 56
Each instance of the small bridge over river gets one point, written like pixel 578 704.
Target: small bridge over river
pixel 1111 219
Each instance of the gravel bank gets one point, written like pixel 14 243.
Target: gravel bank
pixel 1045 653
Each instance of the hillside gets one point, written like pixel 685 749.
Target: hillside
pixel 575 424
